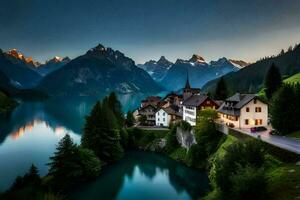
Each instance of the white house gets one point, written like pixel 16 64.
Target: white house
pixel 194 104
pixel 165 116
pixel 244 111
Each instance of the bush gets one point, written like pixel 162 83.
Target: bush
pixel 238 155
pixel 248 183
pixel 196 155
pixel 172 142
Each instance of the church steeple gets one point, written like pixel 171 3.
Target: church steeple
pixel 187 83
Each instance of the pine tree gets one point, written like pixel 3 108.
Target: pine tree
pixel 272 81
pixel 283 110
pixel 129 119
pixel 221 92
pixel 71 164
pixel 101 133
pixel 115 106
pixel 32 176
pixel 62 163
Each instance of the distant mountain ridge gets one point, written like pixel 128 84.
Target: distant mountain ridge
pixel 199 71
pixel 251 78
pixel 52 65
pixel 157 69
pixel 99 71
pixel 19 73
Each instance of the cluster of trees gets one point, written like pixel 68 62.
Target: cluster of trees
pixel 207 138
pixel 284 102
pixel 222 90
pixel 285 109
pixel 272 81
pixel 102 143
pixel 241 173
pixel 102 130
pixel 72 164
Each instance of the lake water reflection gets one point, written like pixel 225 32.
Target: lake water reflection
pixel 31 132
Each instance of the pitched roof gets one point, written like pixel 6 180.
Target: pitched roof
pixel 195 100
pixel 239 101
pixel 170 111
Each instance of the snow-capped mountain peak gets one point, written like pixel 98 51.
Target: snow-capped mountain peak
pixel 15 54
pixel 197 59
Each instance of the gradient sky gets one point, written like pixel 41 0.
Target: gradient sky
pixel 147 29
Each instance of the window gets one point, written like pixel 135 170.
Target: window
pixel 247 109
pixel 158 119
pixel 255 101
pixel 258 122
pixel 257 109
pixel 164 114
pixel 246 121
pixel 164 119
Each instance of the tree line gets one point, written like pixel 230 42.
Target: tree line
pixel 102 143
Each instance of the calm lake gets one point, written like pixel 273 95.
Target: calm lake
pixel 31 132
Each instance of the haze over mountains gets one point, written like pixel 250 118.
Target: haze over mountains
pixel 101 70
pixel 167 73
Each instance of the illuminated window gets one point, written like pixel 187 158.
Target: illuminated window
pixel 258 122
pixel 257 109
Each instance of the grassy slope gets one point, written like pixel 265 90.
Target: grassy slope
pixel 293 79
pixel 283 178
pixel 6 104
pixel 284 182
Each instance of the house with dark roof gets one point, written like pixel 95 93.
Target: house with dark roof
pixel 166 116
pixel 244 111
pixel 194 102
pixel 148 111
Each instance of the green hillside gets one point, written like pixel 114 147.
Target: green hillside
pixel 6 103
pixel 251 78
pixel 293 79
pixel 290 80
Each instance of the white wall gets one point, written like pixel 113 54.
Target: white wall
pixel 190 115
pixel 252 115
pixel 162 118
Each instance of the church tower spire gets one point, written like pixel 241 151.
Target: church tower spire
pixel 187 83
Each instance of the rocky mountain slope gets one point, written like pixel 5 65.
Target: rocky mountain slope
pixel 97 72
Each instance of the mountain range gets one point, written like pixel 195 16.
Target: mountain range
pixel 19 71
pixel 157 69
pixel 172 76
pixel 251 78
pixel 98 71
pixel 101 70
pixel 52 65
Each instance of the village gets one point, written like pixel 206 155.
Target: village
pixel 241 111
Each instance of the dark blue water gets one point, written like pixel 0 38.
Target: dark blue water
pixel 31 132
pixel 145 176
